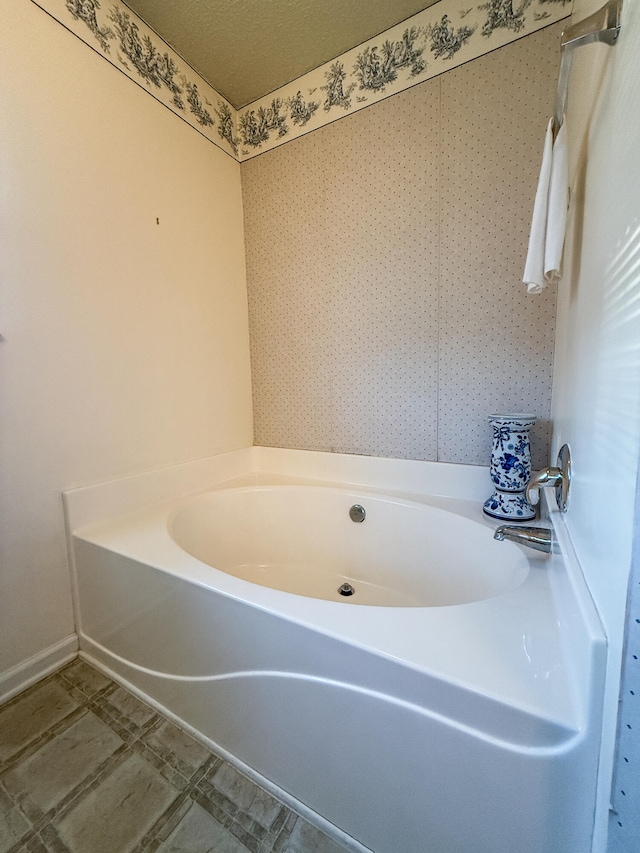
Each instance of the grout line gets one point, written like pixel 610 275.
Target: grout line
pixel 269 835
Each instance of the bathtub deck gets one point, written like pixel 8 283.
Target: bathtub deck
pixel 76 746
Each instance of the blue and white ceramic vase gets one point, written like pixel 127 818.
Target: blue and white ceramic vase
pixel 510 467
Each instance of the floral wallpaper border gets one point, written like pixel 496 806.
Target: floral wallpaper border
pixel 447 34
pixel 122 38
pixel 439 38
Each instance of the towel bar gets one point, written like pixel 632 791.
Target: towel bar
pixel 602 26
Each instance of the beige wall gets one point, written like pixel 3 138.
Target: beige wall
pixel 384 260
pixel 125 342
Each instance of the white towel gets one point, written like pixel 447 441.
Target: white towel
pixel 549 220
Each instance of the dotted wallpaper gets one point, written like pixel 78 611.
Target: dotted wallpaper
pixel 624 825
pixel 384 259
pixel 496 341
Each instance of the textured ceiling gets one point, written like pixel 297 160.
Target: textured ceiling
pixel 247 48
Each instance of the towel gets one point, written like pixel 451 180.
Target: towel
pixel 549 220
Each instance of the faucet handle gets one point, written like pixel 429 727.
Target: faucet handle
pixel 546 477
pixel 559 477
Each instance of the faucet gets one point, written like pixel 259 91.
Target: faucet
pixel 539 538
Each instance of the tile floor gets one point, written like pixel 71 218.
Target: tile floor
pixel 85 767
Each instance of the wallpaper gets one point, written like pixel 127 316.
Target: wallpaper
pixel 444 36
pixel 384 265
pixel 624 828
pixel 384 252
pixel 448 34
pixel 124 40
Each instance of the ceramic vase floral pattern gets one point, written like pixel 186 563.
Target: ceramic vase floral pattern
pixel 510 467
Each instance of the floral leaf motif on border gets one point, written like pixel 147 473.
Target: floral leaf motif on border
pixel 122 38
pixel 448 33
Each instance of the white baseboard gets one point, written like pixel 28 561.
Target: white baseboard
pixel 37 667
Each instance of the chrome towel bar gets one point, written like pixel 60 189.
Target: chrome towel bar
pixel 602 26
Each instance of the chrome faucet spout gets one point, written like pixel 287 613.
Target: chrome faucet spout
pixel 538 538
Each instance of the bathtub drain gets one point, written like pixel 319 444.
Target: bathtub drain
pixel 357 513
pixel 346 589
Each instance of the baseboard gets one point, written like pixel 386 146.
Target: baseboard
pixel 37 667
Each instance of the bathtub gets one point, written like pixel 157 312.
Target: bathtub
pixel 450 702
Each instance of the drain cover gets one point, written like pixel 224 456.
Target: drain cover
pixel 346 589
pixel 357 513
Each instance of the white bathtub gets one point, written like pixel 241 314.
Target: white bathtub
pixel 302 540
pixel 450 704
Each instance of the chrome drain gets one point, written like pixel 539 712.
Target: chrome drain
pixel 357 513
pixel 346 589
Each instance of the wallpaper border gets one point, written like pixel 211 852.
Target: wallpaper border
pixel 423 46
pixel 433 41
pixel 117 34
